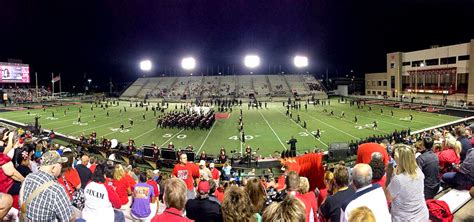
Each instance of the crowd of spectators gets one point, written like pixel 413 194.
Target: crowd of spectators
pixel 42 181
pixel 25 95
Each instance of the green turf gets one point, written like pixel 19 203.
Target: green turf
pixel 267 129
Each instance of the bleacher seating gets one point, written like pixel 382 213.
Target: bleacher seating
pixel 240 85
pixel 279 85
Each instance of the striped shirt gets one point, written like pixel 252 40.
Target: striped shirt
pixel 52 204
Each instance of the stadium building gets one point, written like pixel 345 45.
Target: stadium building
pixel 438 73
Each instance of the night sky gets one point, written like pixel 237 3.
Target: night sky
pixel 108 38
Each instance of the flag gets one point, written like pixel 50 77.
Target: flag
pixel 57 78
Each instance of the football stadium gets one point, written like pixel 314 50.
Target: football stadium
pixel 152 116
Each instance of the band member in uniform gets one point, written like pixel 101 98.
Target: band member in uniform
pixel 355 119
pixel 318 134
pixel 248 155
pixel 292 143
pixel 411 117
pixel 391 112
pixel 375 125
pixel 78 118
pixel 171 145
pixel 131 145
pixel 131 121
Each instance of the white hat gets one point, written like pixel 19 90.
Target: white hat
pixel 156 171
pixel 202 163
pixel 211 165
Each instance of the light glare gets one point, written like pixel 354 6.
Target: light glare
pixel 145 65
pixel 251 61
pixel 300 61
pixel 188 63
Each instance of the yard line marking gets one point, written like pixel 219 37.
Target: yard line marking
pixel 215 121
pixel 333 127
pixel 304 129
pixel 171 138
pixel 272 130
pixel 144 133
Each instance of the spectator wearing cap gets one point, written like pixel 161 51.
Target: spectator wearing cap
pixel 174 198
pixel 204 171
pixel 52 202
pixel 144 198
pixel 465 143
pixel 365 150
pixel 429 164
pixel 216 174
pixel 366 194
pixel 201 208
pixel 84 173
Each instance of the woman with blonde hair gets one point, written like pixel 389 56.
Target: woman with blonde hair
pixel 122 186
pixel 450 154
pixel 404 186
pixel 309 200
pixel 237 206
pixel 362 214
pixel 289 210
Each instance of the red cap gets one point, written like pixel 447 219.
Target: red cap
pixel 204 187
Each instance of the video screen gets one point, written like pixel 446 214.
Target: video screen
pixel 14 73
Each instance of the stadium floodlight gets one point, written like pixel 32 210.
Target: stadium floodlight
pixel 422 64
pixel 300 61
pixel 251 61
pixel 145 65
pixel 89 80
pixel 188 63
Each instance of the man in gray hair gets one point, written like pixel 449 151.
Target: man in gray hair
pixel 367 194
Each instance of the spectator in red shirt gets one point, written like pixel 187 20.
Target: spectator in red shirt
pixel 364 153
pixel 450 154
pixel 175 200
pixel 156 191
pixel 293 187
pixel 188 172
pixel 309 198
pixel 122 186
pixel 69 177
pixel 216 174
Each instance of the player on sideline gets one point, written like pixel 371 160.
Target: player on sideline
pixel 298 119
pixel 107 113
pixel 370 108
pixel 94 117
pixel 355 119
pixel 411 117
pixel 79 118
pixel 391 112
pixel 375 126
pixel 144 117
pixel 343 115
pixel 381 111
pixel 52 114
pixel 131 121
pixel 304 124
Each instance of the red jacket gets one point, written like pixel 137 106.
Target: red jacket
pixel 5 181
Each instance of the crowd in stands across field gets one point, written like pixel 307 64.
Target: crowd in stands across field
pixel 23 95
pixel 314 86
pixel 41 180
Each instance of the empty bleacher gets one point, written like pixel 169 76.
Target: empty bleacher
pixel 279 85
pixel 261 85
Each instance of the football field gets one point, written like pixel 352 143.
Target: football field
pixel 268 129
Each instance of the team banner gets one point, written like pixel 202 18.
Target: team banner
pixel 14 73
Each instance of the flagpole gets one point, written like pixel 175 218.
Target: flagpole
pixel 52 83
pixel 36 80
pixel 60 90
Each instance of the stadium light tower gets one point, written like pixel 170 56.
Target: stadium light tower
pixel 252 61
pixel 145 65
pixel 188 63
pixel 300 61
